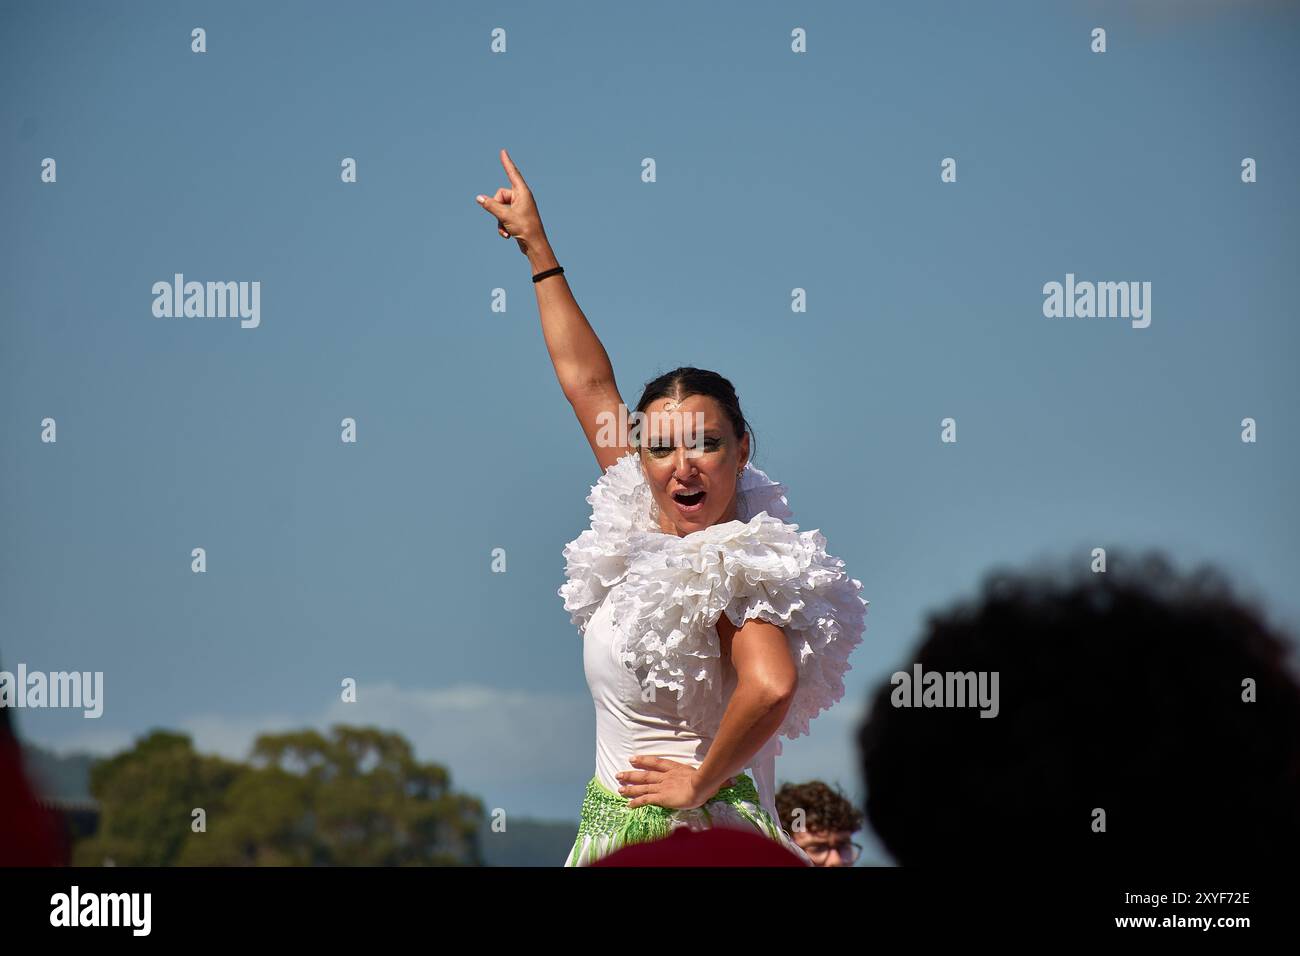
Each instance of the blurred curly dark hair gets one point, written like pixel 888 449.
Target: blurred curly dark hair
pixel 824 809
pixel 1120 690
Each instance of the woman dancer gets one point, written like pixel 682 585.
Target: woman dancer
pixel 711 625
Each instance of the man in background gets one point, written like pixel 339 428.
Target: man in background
pixel 822 821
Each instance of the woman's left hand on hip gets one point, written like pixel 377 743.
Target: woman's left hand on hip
pixel 664 783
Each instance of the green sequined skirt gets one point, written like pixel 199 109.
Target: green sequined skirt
pixel 608 825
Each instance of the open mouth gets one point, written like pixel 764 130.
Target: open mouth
pixel 689 502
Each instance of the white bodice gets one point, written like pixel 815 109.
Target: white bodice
pixel 627 723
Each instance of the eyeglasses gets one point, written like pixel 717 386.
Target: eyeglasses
pixel 819 852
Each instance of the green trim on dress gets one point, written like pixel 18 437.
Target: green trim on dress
pixel 610 825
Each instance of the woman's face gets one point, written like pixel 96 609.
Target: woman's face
pixel 700 467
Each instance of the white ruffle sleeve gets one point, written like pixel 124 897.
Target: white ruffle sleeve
pixel 596 560
pixel 762 569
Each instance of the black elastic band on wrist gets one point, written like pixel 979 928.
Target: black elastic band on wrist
pixel 558 270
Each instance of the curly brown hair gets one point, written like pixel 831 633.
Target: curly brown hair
pixel 824 809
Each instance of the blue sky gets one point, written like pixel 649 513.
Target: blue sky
pixel 775 171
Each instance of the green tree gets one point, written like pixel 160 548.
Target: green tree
pixel 146 796
pixel 355 797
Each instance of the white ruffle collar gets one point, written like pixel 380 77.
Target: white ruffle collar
pixel 674 588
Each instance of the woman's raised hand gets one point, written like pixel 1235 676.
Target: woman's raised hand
pixel 515 210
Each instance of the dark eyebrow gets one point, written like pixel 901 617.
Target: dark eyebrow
pixel 707 433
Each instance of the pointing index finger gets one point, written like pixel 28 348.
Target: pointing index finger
pixel 516 179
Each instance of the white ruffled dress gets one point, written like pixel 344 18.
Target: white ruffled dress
pixel 647 602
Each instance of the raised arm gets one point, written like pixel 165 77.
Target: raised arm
pixel 581 364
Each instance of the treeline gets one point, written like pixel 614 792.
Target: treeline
pixel 354 797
